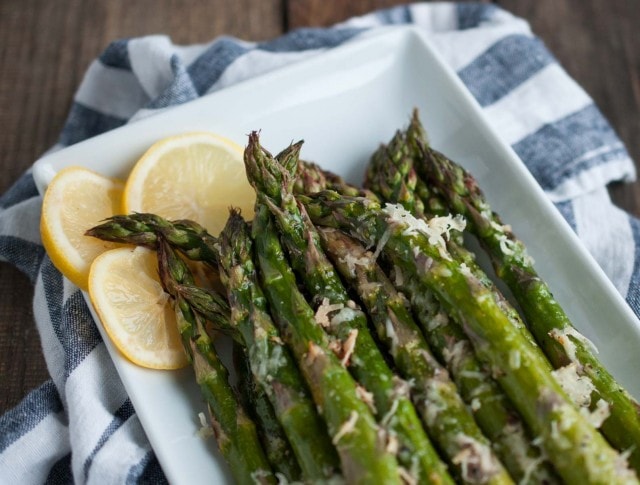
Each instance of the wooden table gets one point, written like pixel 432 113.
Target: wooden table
pixel 46 46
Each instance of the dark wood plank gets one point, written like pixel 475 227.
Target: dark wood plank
pixel 45 48
pixel 322 13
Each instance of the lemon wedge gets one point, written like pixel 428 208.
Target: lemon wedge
pixel 76 200
pixel 193 176
pixel 135 311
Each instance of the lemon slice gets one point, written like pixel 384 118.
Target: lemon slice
pixel 135 311
pixel 193 176
pixel 76 200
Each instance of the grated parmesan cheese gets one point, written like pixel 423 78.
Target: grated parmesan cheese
pixel 392 445
pixel 598 415
pixel 348 346
pixel 381 244
pixel 578 387
pixel 465 270
pixel 562 337
pixel 444 272
pixel 506 245
pixel 322 313
pixel 432 404
pixel 314 352
pixel 205 431
pixel 453 355
pixel 531 467
pixel 351 261
pixel 391 334
pixel 622 462
pixel 345 314
pixel 475 459
pixel 389 414
pixel 438 320
pixel 368 288
pixel 267 362
pixel 498 227
pixel 259 476
pixel 472 374
pixel 437 229
pixel 366 397
pixel 346 428
pixel 401 387
pixel 478 390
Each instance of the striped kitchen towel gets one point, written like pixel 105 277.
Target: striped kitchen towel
pixel 80 426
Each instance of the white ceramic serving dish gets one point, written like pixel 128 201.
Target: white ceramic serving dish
pixel 344 103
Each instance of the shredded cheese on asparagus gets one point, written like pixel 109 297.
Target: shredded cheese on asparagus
pixel 475 459
pixel 562 337
pixel 578 387
pixel 347 427
pixel 436 229
pixel 323 311
pixel 367 398
pixel 205 430
pixel 599 414
pixel 349 346
pixel 454 354
pixel 351 261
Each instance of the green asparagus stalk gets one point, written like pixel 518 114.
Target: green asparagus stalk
pixel 390 314
pixel 311 178
pixel 235 432
pixel 270 361
pixel 254 398
pixel 142 229
pixel 546 319
pixel 578 452
pixel 363 449
pixel 391 175
pixel 495 415
pixel 447 417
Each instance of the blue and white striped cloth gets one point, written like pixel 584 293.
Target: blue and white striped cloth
pixel 80 426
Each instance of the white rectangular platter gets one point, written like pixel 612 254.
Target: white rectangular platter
pixel 344 103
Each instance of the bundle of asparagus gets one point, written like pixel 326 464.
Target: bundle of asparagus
pixel 370 346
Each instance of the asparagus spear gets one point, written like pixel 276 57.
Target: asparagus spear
pixel 271 363
pixel 311 178
pixel 546 319
pixel 362 448
pixel 134 228
pixel 391 175
pixel 254 398
pixel 495 415
pixel 389 312
pixel 235 432
pixel 579 453
pixel 447 418
pixel 143 229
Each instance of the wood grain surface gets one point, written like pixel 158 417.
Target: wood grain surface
pixel 45 48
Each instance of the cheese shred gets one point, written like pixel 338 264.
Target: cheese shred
pixel 436 229
pixel 346 428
